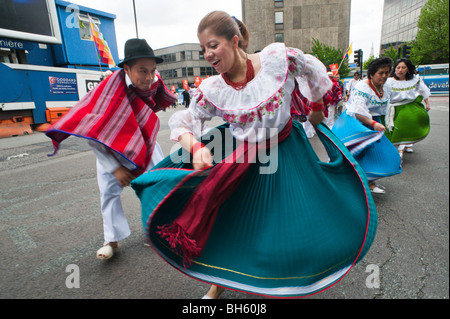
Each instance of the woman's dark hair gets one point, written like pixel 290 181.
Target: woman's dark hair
pixel 224 25
pixel 377 64
pixel 411 68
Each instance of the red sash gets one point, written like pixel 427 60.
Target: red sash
pixel 117 117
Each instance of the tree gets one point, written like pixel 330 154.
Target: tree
pixel 330 55
pixel 366 63
pixel 432 42
pixel 392 53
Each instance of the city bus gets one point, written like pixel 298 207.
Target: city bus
pixel 435 77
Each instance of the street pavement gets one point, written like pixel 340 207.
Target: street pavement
pixel 51 227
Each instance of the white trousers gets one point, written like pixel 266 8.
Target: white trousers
pixel 115 224
pixel 309 129
pixel 329 121
pixel 402 147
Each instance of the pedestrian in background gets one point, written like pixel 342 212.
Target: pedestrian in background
pixel 341 104
pixel 186 98
pixel 352 83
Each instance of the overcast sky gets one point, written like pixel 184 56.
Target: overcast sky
pixel 166 23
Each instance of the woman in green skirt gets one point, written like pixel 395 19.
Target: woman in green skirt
pixel 249 205
pixel 407 120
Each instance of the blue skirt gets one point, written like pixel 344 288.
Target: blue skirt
pixel 290 233
pixel 377 156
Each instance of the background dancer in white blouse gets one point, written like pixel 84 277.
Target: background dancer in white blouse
pixel 407 120
pixel 368 103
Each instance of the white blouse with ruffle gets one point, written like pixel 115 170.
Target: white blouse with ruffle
pixel 404 92
pixel 364 101
pixel 264 102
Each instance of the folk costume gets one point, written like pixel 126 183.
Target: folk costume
pixel 351 85
pixel 331 100
pixel 120 123
pixel 373 151
pixel 256 222
pixel 301 107
pixel 407 121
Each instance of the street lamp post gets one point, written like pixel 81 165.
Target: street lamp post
pixel 135 19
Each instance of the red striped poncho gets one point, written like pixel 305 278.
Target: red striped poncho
pixel 117 116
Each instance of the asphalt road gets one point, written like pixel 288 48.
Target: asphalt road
pixel 51 227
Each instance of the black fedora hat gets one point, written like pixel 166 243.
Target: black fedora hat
pixel 138 49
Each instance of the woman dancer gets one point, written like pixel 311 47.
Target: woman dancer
pixel 235 222
pixel 360 127
pixel 407 119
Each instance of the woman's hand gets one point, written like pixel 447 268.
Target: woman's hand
pixel 378 127
pixel 427 105
pixel 202 158
pixel 370 123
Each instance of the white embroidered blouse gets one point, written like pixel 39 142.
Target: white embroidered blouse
pixel 404 92
pixel 364 101
pixel 264 102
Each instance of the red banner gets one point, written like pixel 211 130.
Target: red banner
pixel 334 68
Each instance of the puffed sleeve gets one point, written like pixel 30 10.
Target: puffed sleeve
pixel 193 119
pixel 310 73
pixel 423 89
pixel 357 103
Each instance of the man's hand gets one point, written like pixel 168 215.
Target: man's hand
pixel 123 176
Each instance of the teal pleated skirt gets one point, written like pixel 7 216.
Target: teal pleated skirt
pixel 377 156
pixel 290 233
pixel 411 123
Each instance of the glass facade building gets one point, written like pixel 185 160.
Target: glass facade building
pixel 400 19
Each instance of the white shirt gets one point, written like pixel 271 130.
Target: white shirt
pixel 404 92
pixel 364 101
pixel 264 102
pixel 351 85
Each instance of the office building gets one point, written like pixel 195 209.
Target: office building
pixel 297 22
pixel 183 62
pixel 400 19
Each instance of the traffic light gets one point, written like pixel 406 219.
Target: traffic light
pixel 406 52
pixel 358 57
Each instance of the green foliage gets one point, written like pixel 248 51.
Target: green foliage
pixel 330 55
pixel 366 63
pixel 392 53
pixel 432 41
